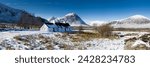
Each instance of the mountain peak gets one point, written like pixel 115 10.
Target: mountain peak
pixel 138 17
pixel 71 14
pixel 72 18
pixel 136 21
pixel 52 18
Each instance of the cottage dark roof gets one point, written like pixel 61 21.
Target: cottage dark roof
pixel 49 23
pixel 62 24
pixel 66 24
pixel 57 24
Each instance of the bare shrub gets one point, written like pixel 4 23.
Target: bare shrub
pixel 105 30
pixel 84 36
pixel 22 38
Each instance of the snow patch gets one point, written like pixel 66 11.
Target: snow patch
pixel 138 17
pixel 140 42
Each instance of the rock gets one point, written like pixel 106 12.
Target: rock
pixel 141 43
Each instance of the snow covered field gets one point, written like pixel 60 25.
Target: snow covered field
pixel 36 40
pixel 11 34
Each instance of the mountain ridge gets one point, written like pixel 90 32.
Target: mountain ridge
pixel 21 18
pixel 135 21
pixel 9 14
pixel 72 18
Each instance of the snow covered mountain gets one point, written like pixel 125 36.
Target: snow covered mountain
pixel 136 21
pixel 71 18
pixel 8 14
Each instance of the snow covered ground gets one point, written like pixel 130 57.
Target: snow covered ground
pixel 11 34
pixel 106 44
pixel 37 40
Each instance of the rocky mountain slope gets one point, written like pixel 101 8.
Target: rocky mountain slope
pixel 71 18
pixel 136 21
pixel 9 15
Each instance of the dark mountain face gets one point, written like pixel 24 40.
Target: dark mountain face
pixel 19 17
pixel 8 14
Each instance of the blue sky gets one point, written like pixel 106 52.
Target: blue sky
pixel 88 10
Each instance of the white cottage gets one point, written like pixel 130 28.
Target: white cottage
pixel 56 27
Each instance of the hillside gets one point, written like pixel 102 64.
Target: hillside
pixel 21 18
pixel 136 21
pixel 72 18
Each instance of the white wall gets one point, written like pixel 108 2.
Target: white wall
pixel 44 28
pixel 56 28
